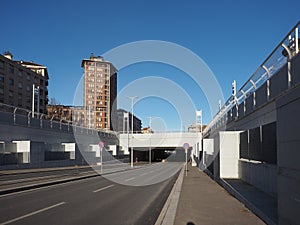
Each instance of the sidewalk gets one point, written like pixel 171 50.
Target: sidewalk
pixel 203 201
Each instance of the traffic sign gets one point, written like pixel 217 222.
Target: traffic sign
pixel 186 146
pixel 101 144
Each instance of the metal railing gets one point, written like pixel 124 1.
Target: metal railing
pixel 287 49
pixel 23 117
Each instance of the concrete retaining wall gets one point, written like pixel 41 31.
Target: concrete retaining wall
pixel 288 156
pixel 261 175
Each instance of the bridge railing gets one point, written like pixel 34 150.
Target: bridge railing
pixel 18 116
pixel 262 86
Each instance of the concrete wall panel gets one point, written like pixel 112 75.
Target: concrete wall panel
pixel 279 82
pixel 288 155
pixel 261 175
pixel 295 68
pixel 261 95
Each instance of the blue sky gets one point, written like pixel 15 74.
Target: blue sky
pixel 232 37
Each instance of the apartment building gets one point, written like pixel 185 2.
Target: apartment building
pixel 100 91
pixel 17 80
pixel 124 121
pixel 61 112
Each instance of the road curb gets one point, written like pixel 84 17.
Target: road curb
pixel 45 184
pixel 168 213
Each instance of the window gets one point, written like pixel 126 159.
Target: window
pixel 1 79
pixel 11 81
pixel 1 91
pixel 39 71
pixel 11 69
pixel 1 64
pixel 27 87
pixel 11 94
pixel 28 76
pixel 41 82
pixel 20 73
pixel 20 85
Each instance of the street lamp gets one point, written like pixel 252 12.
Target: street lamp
pixel 132 102
pixel 150 119
pixel 35 90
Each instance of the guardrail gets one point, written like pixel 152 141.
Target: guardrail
pixel 23 117
pixel 280 57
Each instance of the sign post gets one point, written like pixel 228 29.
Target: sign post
pixel 101 146
pixel 186 146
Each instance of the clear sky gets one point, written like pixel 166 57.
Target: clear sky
pixel 231 37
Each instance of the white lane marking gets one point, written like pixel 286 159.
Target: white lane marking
pixel 143 174
pixel 101 189
pixel 33 213
pixel 132 178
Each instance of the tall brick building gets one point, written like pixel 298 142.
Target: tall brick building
pixel 100 92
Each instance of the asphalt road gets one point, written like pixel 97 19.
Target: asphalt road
pixel 95 200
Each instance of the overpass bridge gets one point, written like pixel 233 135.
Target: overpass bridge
pixel 159 140
pixel 159 144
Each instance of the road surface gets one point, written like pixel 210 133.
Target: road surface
pixel 95 200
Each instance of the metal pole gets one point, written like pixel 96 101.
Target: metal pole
pixel 150 139
pixel 186 162
pixel 132 132
pixel 150 149
pixel 296 39
pixel 38 100
pixel 101 154
pixel 127 123
pixel 132 101
pixel 33 87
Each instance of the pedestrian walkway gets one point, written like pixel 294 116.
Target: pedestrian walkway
pixel 203 201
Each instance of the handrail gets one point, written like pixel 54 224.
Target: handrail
pixel 13 110
pixel 255 82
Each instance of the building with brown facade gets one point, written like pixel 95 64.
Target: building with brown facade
pixel 61 112
pixel 100 91
pixel 17 80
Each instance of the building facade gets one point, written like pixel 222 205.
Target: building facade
pixel 147 130
pixel 124 120
pixel 18 79
pixel 194 128
pixel 60 112
pixel 100 92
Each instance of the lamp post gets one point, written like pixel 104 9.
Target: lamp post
pixel 35 90
pixel 132 103
pixel 126 120
pixel 150 120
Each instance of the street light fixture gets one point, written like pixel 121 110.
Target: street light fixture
pixel 132 103
pixel 35 91
pixel 150 119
